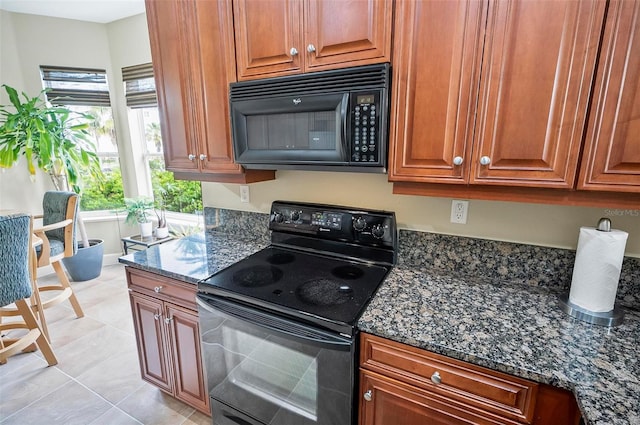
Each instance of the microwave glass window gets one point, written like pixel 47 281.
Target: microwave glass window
pixel 293 131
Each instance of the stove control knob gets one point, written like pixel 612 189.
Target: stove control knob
pixel 377 231
pixel 359 224
pixel 278 217
pixel 295 216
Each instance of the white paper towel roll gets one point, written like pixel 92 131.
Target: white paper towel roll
pixel 596 271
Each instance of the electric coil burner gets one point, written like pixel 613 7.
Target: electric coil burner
pixel 278 328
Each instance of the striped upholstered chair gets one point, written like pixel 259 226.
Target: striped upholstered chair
pixel 17 268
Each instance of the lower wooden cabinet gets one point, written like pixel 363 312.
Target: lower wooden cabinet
pixel 400 384
pixel 166 329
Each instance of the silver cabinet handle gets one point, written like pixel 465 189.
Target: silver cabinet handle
pixel 311 48
pixel 435 378
pixel 485 160
pixel 191 157
pixel 157 289
pixel 368 396
pixel 457 160
pixel 157 316
pixel 203 157
pixel 168 320
pixel 293 51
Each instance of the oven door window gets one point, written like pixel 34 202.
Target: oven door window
pixel 273 370
pixel 291 130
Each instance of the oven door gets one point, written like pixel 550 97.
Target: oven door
pixel 263 369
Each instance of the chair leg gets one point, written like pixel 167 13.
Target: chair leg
pixel 32 324
pixel 65 283
pixel 38 307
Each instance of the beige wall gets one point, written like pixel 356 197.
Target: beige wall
pixel 536 224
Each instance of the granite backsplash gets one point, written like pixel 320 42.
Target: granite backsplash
pixel 457 255
pixel 505 262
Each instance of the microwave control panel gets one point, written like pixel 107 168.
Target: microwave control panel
pixel 366 134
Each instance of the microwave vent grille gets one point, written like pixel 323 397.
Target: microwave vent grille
pixel 363 77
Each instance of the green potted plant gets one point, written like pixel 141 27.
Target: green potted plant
pixel 162 231
pixel 139 211
pixel 55 140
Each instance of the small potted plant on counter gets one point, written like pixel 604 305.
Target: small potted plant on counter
pixel 138 211
pixel 162 231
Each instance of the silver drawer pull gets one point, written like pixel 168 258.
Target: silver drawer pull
pixel 157 316
pixel 168 320
pixel 157 289
pixel 436 378
pixel 368 396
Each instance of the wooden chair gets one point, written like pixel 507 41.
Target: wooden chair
pixel 17 269
pixel 58 241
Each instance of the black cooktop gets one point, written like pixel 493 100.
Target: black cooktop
pixel 323 266
pixel 323 290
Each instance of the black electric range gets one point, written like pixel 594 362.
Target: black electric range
pixel 323 266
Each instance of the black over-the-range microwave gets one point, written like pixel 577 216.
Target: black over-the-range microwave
pixel 330 120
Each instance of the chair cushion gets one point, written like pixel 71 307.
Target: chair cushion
pixel 15 281
pixel 56 247
pixel 54 210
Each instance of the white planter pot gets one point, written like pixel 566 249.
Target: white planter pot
pixel 146 230
pixel 162 232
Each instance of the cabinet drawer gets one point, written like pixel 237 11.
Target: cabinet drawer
pixel 162 287
pixel 491 391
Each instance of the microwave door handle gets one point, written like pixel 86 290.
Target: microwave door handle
pixel 344 105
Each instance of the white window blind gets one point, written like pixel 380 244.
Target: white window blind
pixel 139 85
pixel 75 86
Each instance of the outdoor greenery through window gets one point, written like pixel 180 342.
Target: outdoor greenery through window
pixel 140 92
pixel 86 90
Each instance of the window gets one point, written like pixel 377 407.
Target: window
pixel 175 195
pixel 86 90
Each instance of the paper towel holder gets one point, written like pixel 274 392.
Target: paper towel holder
pixel 608 318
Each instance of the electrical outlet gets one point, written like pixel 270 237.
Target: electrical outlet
pixel 244 193
pixel 459 211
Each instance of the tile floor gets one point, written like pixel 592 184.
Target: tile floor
pixel 97 378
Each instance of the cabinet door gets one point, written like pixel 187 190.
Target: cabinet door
pixel 190 384
pixel 537 70
pixel 148 322
pixel 392 402
pixel 266 32
pixel 437 53
pixel 212 30
pixel 341 33
pixel 611 158
pixel 168 35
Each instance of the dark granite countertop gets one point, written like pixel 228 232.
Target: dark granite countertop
pixel 194 257
pixel 517 329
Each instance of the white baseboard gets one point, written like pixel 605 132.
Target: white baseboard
pixel 107 260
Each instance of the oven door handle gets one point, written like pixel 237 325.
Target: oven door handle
pixel 287 328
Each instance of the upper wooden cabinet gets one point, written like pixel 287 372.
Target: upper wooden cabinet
pixel 492 93
pixel 611 160
pixel 192 49
pixel 280 37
